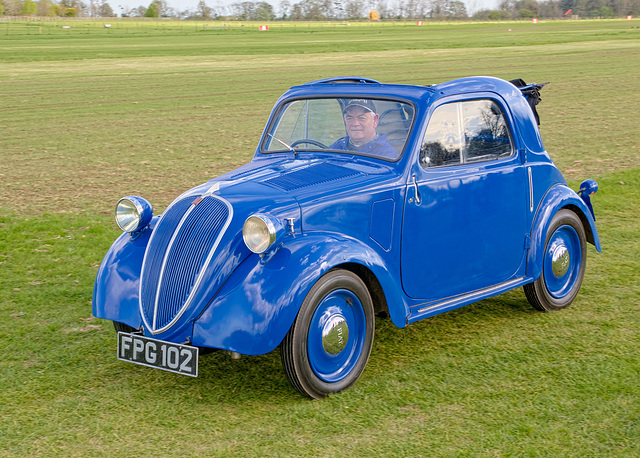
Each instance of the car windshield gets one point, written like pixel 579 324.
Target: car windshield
pixel 373 127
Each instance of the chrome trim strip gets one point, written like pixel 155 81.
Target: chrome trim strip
pixel 142 271
pixel 202 271
pixel 212 189
pixel 164 264
pixel 479 292
pixel 215 187
pixel 460 132
pixel 530 190
pixel 209 193
pixel 204 266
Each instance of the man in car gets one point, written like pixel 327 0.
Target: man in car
pixel 361 120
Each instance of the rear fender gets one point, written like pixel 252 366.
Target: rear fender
pixel 557 198
pixel 253 311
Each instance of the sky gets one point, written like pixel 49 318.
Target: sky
pixel 181 5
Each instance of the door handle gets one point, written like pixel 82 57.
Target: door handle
pixel 415 185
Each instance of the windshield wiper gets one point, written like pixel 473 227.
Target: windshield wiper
pixel 290 148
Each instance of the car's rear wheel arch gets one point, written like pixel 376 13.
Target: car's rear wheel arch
pixel 585 222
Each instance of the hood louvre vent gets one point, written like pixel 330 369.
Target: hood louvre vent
pixel 310 176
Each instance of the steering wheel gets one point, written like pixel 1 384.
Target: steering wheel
pixel 309 142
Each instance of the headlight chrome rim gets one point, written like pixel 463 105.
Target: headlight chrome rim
pixel 260 243
pixel 133 213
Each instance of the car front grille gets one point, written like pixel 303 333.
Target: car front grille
pixel 178 253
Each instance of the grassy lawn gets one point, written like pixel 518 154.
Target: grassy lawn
pixel 88 118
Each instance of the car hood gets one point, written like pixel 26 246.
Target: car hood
pixel 197 243
pixel 303 179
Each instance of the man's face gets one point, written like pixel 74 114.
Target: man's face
pixel 361 125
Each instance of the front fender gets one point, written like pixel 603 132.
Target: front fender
pixel 116 290
pixel 257 305
pixel 557 198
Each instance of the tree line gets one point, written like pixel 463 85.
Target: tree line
pixel 327 10
pixel 62 8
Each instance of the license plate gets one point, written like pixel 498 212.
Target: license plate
pixel 181 359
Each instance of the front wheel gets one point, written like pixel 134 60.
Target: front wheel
pixel 328 345
pixel 563 264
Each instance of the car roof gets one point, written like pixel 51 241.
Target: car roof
pixel 424 95
pixel 359 86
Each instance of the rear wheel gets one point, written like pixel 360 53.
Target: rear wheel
pixel 563 264
pixel 328 345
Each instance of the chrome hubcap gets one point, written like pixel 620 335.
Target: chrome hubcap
pixel 560 260
pixel 335 334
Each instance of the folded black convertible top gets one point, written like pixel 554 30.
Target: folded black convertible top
pixel 532 94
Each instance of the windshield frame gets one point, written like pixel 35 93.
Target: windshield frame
pixel 279 111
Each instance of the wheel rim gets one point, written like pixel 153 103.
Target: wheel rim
pixel 562 261
pixel 336 335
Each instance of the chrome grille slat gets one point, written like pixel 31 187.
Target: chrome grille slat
pixel 191 247
pixel 155 254
pixel 198 229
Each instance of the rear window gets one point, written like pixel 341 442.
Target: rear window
pixel 466 132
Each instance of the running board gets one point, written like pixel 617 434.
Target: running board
pixel 429 309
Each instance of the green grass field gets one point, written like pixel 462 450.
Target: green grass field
pixel 88 118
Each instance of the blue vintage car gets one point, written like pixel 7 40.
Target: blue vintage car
pixel 362 199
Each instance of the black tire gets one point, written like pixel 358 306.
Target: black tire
pixel 121 327
pixel 563 265
pixel 328 345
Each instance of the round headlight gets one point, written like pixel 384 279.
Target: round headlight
pixel 260 231
pixel 133 213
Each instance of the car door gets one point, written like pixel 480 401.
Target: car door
pixel 465 228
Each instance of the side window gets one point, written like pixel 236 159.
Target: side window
pixel 443 141
pixel 486 133
pixel 466 132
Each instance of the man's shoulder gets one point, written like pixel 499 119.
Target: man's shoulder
pixel 381 147
pixel 340 143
